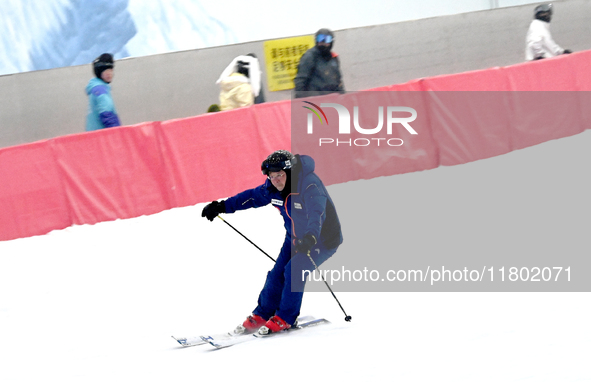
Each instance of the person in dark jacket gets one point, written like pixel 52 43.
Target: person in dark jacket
pixel 319 70
pixel 313 232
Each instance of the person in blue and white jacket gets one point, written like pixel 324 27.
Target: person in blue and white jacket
pixel 101 109
pixel 312 230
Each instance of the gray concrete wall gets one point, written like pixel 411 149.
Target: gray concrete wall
pixel 45 104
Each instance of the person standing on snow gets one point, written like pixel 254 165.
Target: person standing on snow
pixel 312 230
pixel 538 42
pixel 319 70
pixel 101 109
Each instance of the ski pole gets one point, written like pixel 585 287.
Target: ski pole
pixel 246 238
pixel 347 317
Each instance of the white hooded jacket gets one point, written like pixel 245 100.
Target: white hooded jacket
pixel 237 90
pixel 539 42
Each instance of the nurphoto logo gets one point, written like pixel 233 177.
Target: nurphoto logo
pixel 392 116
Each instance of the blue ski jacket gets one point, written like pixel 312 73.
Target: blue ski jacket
pixel 101 109
pixel 307 209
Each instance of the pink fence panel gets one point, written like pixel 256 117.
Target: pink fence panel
pixel 32 199
pixel 143 169
pixel 216 155
pixel 113 173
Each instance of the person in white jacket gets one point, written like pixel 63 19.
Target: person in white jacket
pixel 240 83
pixel 538 42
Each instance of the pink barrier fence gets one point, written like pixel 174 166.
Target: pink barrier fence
pixel 143 169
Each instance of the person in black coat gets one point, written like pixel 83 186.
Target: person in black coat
pixel 319 70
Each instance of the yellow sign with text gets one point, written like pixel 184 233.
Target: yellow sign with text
pixel 282 58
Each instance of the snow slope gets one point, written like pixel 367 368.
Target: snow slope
pixel 99 303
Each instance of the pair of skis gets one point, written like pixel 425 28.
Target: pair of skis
pixel 224 340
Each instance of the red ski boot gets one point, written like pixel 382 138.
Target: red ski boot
pixel 250 325
pixel 275 324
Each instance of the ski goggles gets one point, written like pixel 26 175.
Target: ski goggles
pixel 267 167
pixel 324 38
pixel 100 64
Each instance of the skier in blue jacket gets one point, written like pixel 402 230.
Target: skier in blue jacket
pixel 101 109
pixel 312 230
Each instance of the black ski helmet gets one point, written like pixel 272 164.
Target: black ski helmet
pixel 543 12
pixel 277 161
pixel 102 63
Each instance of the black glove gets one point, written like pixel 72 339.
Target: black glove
pixel 213 209
pixel 304 244
pixel 567 51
